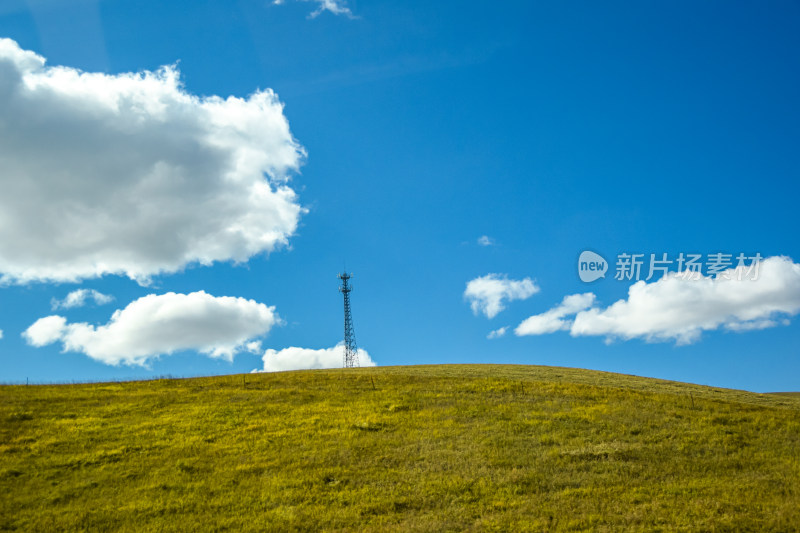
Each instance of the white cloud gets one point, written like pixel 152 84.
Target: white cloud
pixel 680 309
pixel 253 347
pixel 130 174
pixel 46 331
pixel 1 333
pixel 79 297
pixel 294 358
pixel 488 293
pixel 162 324
pixel 496 334
pixel 754 325
pixel 337 7
pixel 553 320
pixel 485 240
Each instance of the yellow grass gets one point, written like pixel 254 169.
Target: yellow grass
pixel 426 448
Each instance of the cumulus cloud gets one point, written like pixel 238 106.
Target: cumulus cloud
pixel 553 320
pixel 294 358
pixel 253 347
pixel 162 324
pixel 131 174
pixel 45 331
pixel 497 333
pixel 1 333
pixel 679 308
pixel 754 325
pixel 488 294
pixel 337 7
pixel 485 240
pixel 78 298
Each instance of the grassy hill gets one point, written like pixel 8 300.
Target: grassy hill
pixel 426 448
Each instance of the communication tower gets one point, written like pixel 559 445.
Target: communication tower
pixel 350 350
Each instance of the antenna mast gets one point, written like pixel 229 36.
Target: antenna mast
pixel 350 350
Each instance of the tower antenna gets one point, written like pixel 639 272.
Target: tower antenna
pixel 350 350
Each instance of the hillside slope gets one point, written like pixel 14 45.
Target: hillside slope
pixel 456 447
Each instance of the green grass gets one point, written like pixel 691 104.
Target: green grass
pixel 426 448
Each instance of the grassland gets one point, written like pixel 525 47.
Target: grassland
pixel 427 448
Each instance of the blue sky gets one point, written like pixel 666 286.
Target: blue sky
pixel 400 133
